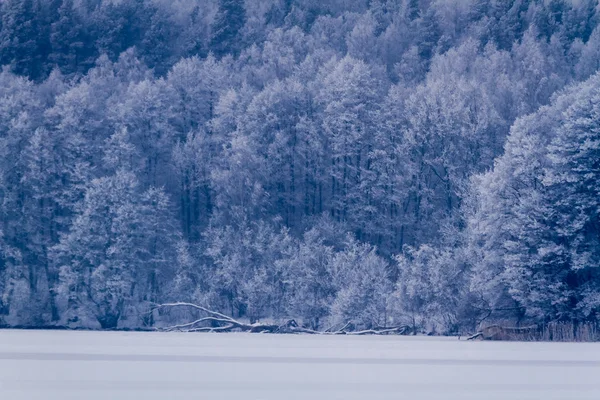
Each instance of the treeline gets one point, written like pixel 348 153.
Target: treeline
pixel 431 163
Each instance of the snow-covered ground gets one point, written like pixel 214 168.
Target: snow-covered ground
pixel 113 366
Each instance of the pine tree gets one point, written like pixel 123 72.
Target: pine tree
pixel 19 37
pixel 226 29
pixel 158 43
pixel 195 36
pixel 71 50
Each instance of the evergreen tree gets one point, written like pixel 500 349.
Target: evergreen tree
pixel 71 48
pixel 158 42
pixel 226 35
pixel 19 37
pixel 194 38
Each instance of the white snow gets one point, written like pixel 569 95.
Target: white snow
pixel 112 366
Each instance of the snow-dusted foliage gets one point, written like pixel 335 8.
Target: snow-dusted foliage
pixel 535 222
pixel 339 163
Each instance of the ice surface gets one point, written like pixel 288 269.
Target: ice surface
pixel 114 365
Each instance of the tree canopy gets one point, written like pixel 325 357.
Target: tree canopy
pixel 338 162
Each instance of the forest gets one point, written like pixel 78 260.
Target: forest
pixel 434 163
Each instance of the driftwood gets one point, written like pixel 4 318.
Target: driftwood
pixel 214 321
pixel 496 332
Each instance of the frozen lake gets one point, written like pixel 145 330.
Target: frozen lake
pixel 114 366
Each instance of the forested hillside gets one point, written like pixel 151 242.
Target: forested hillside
pixel 426 162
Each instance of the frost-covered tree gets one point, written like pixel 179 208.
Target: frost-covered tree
pixel 535 224
pixel 221 152
pixel 72 50
pixel 248 277
pixel 19 118
pixel 198 85
pixel 146 111
pixel 195 37
pixel 449 134
pixel 313 288
pixel 193 161
pixel 98 260
pixel 19 37
pixel 364 288
pixel 226 35
pixel 159 40
pixel 350 94
pixel 118 253
pixel 431 284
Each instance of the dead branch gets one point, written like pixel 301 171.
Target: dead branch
pixel 382 330
pixel 191 305
pixel 222 323
pixel 478 335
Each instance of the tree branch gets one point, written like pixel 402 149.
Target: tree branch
pixel 228 324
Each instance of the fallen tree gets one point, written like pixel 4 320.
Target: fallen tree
pixel 213 321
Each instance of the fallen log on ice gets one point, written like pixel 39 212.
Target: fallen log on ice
pixel 214 321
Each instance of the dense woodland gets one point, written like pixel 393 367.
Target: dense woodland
pixel 434 163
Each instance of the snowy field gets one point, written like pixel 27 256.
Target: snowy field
pixel 95 365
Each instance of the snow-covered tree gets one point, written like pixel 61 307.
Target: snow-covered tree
pixel 19 37
pixel 120 250
pixel 226 28
pixel 71 48
pixel 430 286
pixel 535 221
pixel 364 287
pixel 146 111
pixel 221 152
